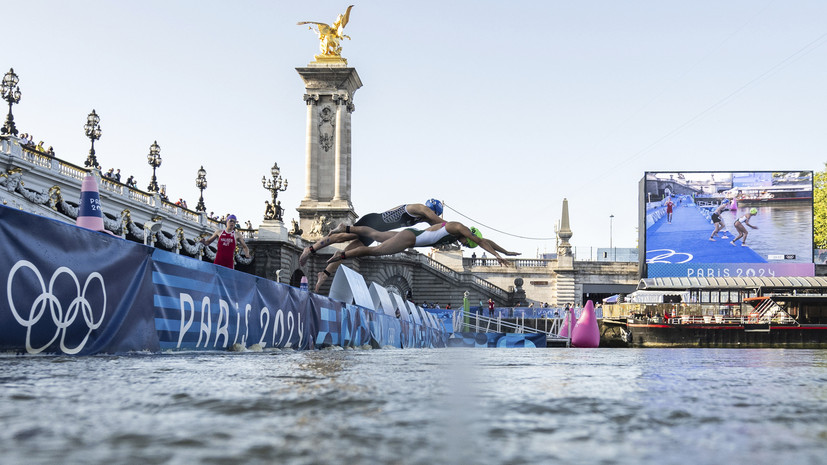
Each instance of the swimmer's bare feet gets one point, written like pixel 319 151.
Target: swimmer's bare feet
pixel 320 279
pixel 306 254
pixel 340 228
pixel 340 255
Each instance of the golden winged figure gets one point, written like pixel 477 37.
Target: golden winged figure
pixel 331 34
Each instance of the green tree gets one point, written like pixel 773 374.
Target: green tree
pixel 820 209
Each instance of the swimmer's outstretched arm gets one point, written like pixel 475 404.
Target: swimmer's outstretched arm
pixel 422 211
pixel 486 244
pixel 458 229
pixel 502 250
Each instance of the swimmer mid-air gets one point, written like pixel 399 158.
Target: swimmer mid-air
pixel 399 217
pixel 396 241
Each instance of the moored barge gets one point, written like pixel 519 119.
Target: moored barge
pixel 778 313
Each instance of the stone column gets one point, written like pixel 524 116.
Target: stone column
pixel 564 282
pixel 311 189
pixel 329 95
pixel 339 163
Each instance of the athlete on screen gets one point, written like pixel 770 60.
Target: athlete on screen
pixel 739 226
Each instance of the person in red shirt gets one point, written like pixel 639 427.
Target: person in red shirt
pixel 227 239
pixel 669 206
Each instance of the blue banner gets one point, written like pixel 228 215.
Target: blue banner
pixel 74 291
pixel 71 290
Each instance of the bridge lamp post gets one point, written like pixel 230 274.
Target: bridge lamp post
pixel 201 184
pixel 275 185
pixel 11 94
pixel 93 132
pixel 154 160
pixel 611 235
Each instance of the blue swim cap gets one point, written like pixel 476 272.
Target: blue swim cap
pixel 725 201
pixel 434 205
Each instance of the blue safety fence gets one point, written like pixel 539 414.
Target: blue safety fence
pixel 528 312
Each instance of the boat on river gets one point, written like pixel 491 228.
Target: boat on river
pixel 776 320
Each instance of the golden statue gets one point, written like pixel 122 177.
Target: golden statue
pixel 330 35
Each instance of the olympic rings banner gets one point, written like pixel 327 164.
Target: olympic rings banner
pixel 69 290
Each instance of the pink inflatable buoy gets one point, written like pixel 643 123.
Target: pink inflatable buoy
pixel 564 328
pixel 586 332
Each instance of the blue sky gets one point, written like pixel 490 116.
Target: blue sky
pixel 502 109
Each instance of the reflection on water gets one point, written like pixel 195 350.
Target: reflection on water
pixel 782 229
pixel 418 406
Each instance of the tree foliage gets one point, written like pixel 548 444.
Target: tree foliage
pixel 820 209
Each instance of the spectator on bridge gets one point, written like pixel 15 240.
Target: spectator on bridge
pixel 395 242
pixel 399 217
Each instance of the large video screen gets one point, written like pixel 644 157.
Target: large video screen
pixel 727 224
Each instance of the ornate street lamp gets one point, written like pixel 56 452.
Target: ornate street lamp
pixel 154 160
pixel 275 185
pixel 93 132
pixel 201 184
pixel 11 94
pixel 611 220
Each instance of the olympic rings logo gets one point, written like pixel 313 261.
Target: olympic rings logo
pixel 61 318
pixel 667 256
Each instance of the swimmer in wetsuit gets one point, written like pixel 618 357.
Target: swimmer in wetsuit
pixel 399 217
pixel 718 221
pixel 739 226
pixel 396 241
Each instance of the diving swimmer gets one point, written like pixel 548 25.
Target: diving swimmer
pixel 396 241
pixel 398 217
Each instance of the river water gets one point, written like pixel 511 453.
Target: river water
pixel 418 406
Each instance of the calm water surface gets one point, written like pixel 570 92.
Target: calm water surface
pixel 459 406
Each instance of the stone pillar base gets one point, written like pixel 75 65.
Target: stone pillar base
pixel 272 230
pixel 316 221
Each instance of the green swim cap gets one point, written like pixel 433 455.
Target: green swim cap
pixel 475 232
pixel 753 211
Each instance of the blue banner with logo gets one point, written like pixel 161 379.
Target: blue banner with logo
pixel 70 290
